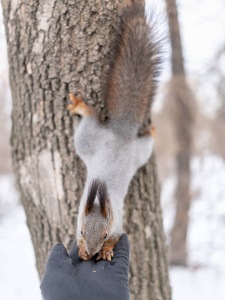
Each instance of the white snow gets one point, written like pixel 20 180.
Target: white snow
pixel 205 276
pixel 18 276
pixel 200 284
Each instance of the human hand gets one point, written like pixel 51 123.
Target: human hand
pixel 66 277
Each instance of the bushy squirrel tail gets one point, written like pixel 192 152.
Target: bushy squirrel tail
pixel 135 66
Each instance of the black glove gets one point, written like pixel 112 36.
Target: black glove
pixel 66 277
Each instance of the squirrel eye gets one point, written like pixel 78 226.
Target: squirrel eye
pixel 81 233
pixel 105 236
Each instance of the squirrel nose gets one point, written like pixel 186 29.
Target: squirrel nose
pixel 91 251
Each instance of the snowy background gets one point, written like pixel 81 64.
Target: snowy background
pixel 202 24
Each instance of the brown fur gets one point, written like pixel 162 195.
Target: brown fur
pixel 98 188
pixel 91 196
pixel 131 83
pixel 103 198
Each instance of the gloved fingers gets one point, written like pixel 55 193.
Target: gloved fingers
pixel 121 253
pixel 58 252
pixel 59 281
pixel 74 254
pixel 58 258
pixel 59 261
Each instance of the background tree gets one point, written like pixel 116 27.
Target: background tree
pixel 56 48
pixel 5 167
pixel 181 102
pixel 216 70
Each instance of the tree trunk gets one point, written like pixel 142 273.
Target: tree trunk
pixel 183 122
pixel 5 167
pixel 56 48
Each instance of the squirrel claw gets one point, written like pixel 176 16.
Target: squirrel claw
pixel 72 108
pixel 109 255
pixel 105 255
pixel 106 252
pixel 99 256
pixel 83 253
pixel 75 99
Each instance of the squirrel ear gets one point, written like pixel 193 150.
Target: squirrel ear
pixel 103 198
pixel 91 197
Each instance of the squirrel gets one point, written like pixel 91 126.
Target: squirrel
pixel 114 151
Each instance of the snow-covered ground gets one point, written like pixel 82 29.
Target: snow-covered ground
pixel 203 279
pixel 205 276
pixel 18 276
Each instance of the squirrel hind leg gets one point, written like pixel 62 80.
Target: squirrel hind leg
pixel 79 107
pixel 150 131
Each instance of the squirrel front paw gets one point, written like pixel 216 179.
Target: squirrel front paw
pixel 79 107
pixel 82 251
pixel 106 252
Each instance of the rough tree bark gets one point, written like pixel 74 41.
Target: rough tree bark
pixel 56 48
pixel 183 121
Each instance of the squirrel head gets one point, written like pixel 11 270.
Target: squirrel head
pixel 97 218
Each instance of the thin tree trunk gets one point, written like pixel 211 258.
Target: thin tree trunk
pixel 182 117
pixel 56 48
